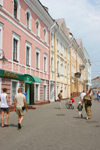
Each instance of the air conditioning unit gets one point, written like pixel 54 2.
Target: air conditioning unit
pixel 78 74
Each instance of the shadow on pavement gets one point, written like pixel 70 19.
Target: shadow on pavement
pixel 12 125
pixel 80 118
pixel 60 114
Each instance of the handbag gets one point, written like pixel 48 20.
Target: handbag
pixel 89 103
pixel 23 108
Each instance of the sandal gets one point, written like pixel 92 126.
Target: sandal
pixel 2 126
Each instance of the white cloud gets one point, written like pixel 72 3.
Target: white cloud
pixel 83 19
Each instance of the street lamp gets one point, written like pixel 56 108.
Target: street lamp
pixel 2 56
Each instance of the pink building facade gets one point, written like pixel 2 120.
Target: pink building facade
pixel 25 42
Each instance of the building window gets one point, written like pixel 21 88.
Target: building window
pixel 65 71
pixel 1 2
pixel 38 28
pixel 15 47
pixel 1 36
pixel 37 92
pixel 45 63
pixel 14 88
pixel 52 40
pixel 45 92
pixel 57 67
pixel 28 19
pixel 45 35
pixel 16 9
pixel 52 65
pixel 37 59
pixel 62 69
pixel 57 45
pixel 28 55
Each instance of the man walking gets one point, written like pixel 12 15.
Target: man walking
pixel 19 106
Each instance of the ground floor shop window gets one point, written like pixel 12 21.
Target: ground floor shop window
pixel 45 92
pixel 14 88
pixel 37 92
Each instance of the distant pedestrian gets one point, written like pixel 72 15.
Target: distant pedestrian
pixel 82 96
pixel 79 108
pixel 73 101
pixel 87 103
pixel 98 96
pixel 60 98
pixel 19 106
pixel 4 107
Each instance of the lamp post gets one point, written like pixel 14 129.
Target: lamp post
pixel 2 57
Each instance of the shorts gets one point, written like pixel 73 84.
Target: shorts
pixel 19 112
pixel 5 110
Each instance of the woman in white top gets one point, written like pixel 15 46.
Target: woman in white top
pixel 4 108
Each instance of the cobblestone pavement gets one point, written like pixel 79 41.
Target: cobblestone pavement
pixel 51 128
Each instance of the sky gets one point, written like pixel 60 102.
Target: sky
pixel 83 19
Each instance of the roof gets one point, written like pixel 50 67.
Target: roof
pixel 60 21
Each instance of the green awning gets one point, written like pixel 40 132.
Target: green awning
pixel 30 79
pixel 11 75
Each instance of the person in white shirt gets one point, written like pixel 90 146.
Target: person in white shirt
pixel 4 107
pixel 82 96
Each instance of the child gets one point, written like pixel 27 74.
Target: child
pixel 73 101
pixel 79 108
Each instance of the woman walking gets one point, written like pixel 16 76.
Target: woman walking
pixel 88 103
pixel 4 108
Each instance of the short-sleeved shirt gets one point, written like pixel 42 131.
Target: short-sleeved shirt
pixel 4 103
pixel 82 95
pixel 19 100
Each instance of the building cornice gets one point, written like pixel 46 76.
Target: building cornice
pixel 38 9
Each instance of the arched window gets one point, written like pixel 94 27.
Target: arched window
pixel 45 35
pixel 28 19
pixel 16 9
pixel 37 28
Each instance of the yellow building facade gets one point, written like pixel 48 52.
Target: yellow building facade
pixel 60 59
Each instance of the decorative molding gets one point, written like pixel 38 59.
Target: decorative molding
pixel 40 12
pixel 23 30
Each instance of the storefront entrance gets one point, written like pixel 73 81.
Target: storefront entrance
pixel 29 89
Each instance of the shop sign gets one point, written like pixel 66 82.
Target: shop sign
pixel 11 75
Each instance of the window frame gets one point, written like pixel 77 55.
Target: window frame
pixel 45 93
pixel 38 29
pixel 37 65
pixel 1 34
pixel 18 10
pixel 30 18
pixel 11 101
pixel 29 46
pixel 1 3
pixel 16 37
pixel 35 100
pixel 45 65
pixel 45 34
